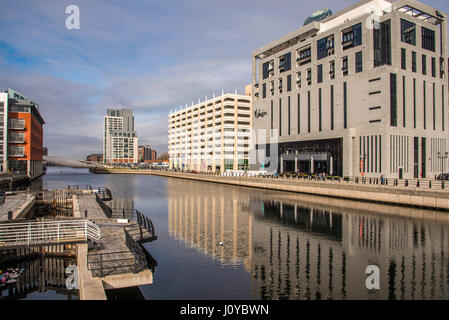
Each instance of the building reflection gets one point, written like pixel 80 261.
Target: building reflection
pixel 298 250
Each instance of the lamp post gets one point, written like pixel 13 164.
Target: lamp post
pixel 362 164
pixel 440 156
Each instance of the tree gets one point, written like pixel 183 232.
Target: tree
pixel 163 157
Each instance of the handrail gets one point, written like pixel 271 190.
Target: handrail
pixel 47 232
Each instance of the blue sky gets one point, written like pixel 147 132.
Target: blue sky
pixel 151 56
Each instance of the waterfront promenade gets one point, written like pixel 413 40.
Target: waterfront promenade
pixel 425 194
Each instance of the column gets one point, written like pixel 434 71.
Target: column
pixel 311 165
pixel 282 165
pixel 296 164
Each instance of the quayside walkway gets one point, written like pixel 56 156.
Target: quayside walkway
pixel 420 193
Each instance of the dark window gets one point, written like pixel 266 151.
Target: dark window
pixel 424 64
pixel 264 90
pixel 305 56
pixel 443 108
pixel 434 67
pixel 289 82
pixel 325 47
pixel 319 109
pixel 265 70
pixel 288 115
pixel 403 59
pixel 428 39
pixel 345 104
pixel 308 111
pixel 408 32
pixel 280 117
pixel 414 103
pixel 299 113
pixel 382 44
pixel 359 62
pixel 403 101
pixel 345 66
pixel 413 61
pixel 285 62
pixel 320 73
pixel 423 157
pixel 415 157
pixel 393 100
pixel 332 107
pixel 352 37
pixel 272 116
pixel 424 104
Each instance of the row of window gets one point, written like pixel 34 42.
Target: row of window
pixel 433 63
pixel 320 77
pixel 308 106
pixel 408 35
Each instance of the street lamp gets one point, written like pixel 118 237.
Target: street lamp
pixel 440 156
pixel 362 164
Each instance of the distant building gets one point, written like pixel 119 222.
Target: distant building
pixel 119 137
pixel 95 157
pixel 213 135
pixel 21 134
pixel 45 151
pixel 146 153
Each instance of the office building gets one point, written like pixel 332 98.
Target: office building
pixel 357 95
pixel 119 137
pixel 21 134
pixel 213 135
pixel 146 153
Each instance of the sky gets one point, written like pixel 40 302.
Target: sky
pixel 150 56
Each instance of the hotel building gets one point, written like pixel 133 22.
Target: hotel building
pixel 119 137
pixel 213 135
pixel 21 134
pixel 362 92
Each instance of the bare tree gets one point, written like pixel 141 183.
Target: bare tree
pixel 163 157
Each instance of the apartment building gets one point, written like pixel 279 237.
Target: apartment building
pixel 357 93
pixel 21 134
pixel 146 153
pixel 119 137
pixel 213 135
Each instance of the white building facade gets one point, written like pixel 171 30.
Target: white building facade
pixel 211 136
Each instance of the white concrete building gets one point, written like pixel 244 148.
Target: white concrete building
pixel 119 138
pixel 213 135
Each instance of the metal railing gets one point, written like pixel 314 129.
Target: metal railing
pixel 39 233
pixel 106 263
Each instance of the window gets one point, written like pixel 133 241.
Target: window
pixel 304 56
pixel 289 82
pixel 325 47
pixel 414 103
pixel 352 37
pixel 359 62
pixel 280 85
pixel 408 32
pixel 280 116
pixel 424 64
pixel 403 101
pixel 332 107
pixel 285 62
pixel 264 90
pixel 428 39
pixel 332 69
pixel 309 76
pixel 413 61
pixel 382 44
pixel 319 110
pixel 272 115
pixel 288 115
pixel 299 113
pixel 424 104
pixel 320 73
pixel 345 104
pixel 345 66
pixel 434 67
pixel 298 79
pixel 393 100
pixel 308 111
pixel 403 59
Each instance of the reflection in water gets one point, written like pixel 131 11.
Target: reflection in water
pixel 298 250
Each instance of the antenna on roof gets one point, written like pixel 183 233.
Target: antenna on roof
pixel 235 91
pixel 222 92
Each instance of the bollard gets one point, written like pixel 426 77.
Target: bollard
pixel 430 184
pixel 406 183
pixel 85 213
pixel 10 215
pixel 417 183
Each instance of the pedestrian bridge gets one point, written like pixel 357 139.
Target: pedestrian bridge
pixel 47 232
pixel 67 162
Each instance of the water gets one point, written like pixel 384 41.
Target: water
pixel 225 242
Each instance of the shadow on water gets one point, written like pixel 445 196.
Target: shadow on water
pixel 225 242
